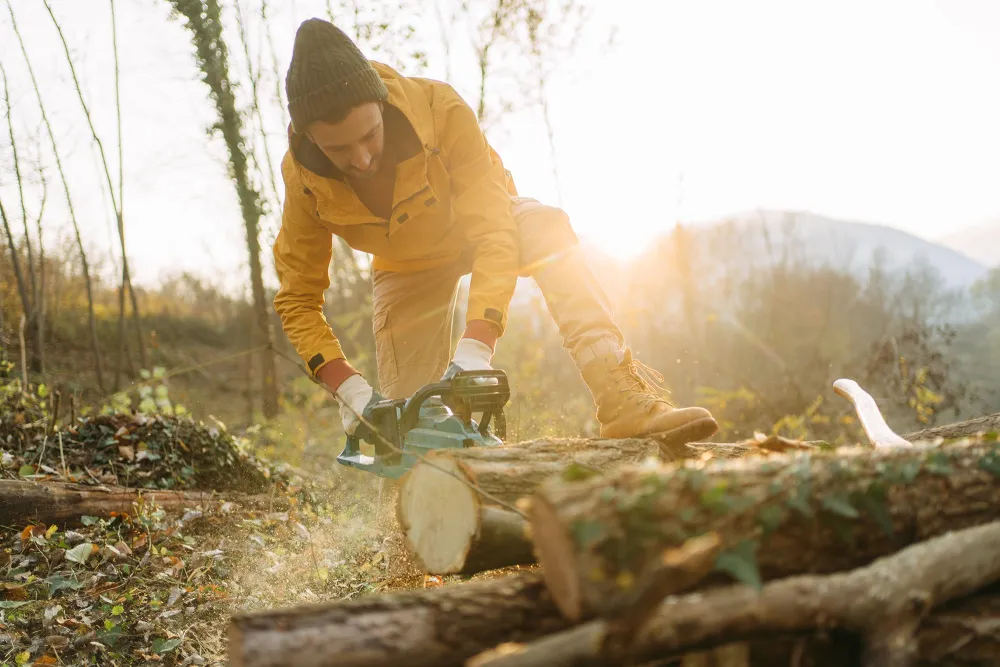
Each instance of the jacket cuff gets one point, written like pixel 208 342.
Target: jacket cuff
pixel 324 355
pixel 480 314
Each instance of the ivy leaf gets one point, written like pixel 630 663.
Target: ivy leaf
pixel 81 552
pixel 938 463
pixel 161 646
pixel 840 505
pixel 990 463
pixel 874 505
pixel 586 532
pixel 89 520
pixel 909 470
pixel 576 473
pixel 58 583
pixel 771 518
pixel 741 563
pixel 13 604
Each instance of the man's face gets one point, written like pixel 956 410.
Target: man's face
pixel 355 144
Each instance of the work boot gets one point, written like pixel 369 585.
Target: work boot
pixel 629 405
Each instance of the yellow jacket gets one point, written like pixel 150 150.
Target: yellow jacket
pixel 452 196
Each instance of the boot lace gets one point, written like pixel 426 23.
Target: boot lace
pixel 644 382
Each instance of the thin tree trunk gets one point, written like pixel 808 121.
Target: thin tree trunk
pixel 30 306
pixel 98 362
pixel 126 276
pixel 115 201
pixel 278 95
pixel 40 301
pixel 254 76
pixel 205 25
pixel 22 287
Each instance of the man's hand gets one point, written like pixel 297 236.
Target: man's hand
pixel 470 355
pixel 353 395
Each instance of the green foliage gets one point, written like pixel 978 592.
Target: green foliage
pixel 740 562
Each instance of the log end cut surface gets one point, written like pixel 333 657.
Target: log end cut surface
pixel 440 516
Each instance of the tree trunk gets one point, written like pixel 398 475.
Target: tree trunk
pixel 64 503
pixel 884 602
pixel 452 529
pixel 15 260
pixel 31 309
pixel 95 342
pixel 777 516
pixel 437 627
pixel 205 25
pixel 41 310
pixel 972 427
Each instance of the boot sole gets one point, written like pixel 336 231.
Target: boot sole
pixel 694 431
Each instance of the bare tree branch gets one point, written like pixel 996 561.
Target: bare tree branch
pixel 98 363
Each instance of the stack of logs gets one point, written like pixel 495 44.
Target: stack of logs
pixel 770 552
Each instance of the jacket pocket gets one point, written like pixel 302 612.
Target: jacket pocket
pixel 385 353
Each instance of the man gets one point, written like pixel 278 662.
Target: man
pixel 399 168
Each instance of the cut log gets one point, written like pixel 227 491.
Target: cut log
pixel 972 427
pixel 884 602
pixel 63 503
pixel 451 528
pixel 435 627
pixel 782 515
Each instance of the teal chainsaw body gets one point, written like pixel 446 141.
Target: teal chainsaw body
pixel 437 416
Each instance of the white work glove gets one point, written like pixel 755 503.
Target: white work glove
pixel 353 393
pixel 472 355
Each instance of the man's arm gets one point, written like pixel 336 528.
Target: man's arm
pixel 482 208
pixel 303 250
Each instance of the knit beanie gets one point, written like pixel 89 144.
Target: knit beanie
pixel 327 72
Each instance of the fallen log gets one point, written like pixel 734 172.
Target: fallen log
pixel 969 428
pixel 885 602
pixel 63 503
pixel 451 528
pixel 777 516
pixel 435 627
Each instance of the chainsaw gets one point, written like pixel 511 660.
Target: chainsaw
pixel 436 416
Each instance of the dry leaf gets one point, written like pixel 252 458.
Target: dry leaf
pixel 127 452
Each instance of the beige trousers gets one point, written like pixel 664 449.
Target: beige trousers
pixel 413 312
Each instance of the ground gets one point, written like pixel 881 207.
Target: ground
pixel 157 587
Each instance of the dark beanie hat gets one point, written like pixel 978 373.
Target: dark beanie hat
pixel 327 72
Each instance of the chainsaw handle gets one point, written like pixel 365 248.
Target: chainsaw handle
pixel 411 409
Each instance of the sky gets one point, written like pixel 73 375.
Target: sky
pixel 881 111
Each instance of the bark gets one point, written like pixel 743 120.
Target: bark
pixel 41 309
pixel 31 309
pixel 972 427
pixel 64 503
pixel 15 260
pixel 84 265
pixel 205 25
pixel 782 515
pixel 884 602
pixel 437 627
pixel 452 528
